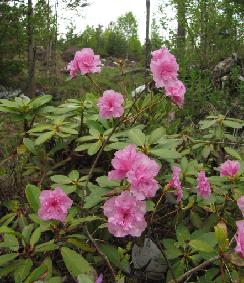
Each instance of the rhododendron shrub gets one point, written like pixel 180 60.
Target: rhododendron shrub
pixel 118 185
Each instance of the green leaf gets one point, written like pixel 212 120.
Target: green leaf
pixel 37 273
pixel 137 137
pixel 75 263
pixel 232 152
pixel 195 219
pixel 200 245
pixel 83 278
pixel 35 237
pixel 232 124
pixel 166 153
pixel 74 175
pixel 5 229
pixel 156 135
pixel 113 255
pixel 10 242
pixel 61 179
pixel 207 124
pixel 39 101
pixel 23 270
pixel 46 247
pixel 182 233
pixel 26 233
pixel 29 144
pixel 94 147
pixel 32 194
pixel 55 279
pixel 79 221
pixel 171 251
pixel 68 130
pixel 6 258
pixel 82 147
pixel 44 137
pixel 150 205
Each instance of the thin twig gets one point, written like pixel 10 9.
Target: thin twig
pixel 101 254
pixel 195 270
pixel 165 257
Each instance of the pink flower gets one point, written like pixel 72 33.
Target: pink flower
pixel 141 176
pixel 175 89
pixel 163 66
pixel 240 238
pixel 73 68
pixel 203 186
pixel 122 162
pixel 54 205
pixel 240 203
pixel 85 62
pixel 99 279
pixel 125 215
pixel 111 104
pixel 229 168
pixel 175 183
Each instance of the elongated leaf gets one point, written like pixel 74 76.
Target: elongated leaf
pixel 75 263
pixel 61 179
pixel 29 144
pixel 166 153
pixel 35 237
pixel 233 152
pixel 7 257
pixel 32 194
pixel 23 270
pixel 37 273
pixel 232 124
pixel 137 137
pixel 200 245
pixel 44 137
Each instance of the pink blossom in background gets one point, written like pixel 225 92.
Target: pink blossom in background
pixel 122 162
pixel 73 68
pixel 111 105
pixel 229 168
pixel 163 66
pixel 240 203
pixel 175 183
pixel 175 89
pixel 85 62
pixel 99 279
pixel 125 215
pixel 240 238
pixel 54 205
pixel 141 176
pixel 203 186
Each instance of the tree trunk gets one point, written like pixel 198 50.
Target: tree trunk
pixel 181 28
pixel 147 43
pixel 31 51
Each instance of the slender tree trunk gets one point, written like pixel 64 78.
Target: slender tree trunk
pixel 203 32
pixel 147 43
pixel 181 28
pixel 31 51
pixel 48 47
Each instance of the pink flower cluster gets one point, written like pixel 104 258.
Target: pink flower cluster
pixel 229 168
pixel 126 212
pixel 125 215
pixel 139 170
pixel 175 183
pixel 203 186
pixel 240 238
pixel 111 104
pixel 84 62
pixel 54 205
pixel 165 72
